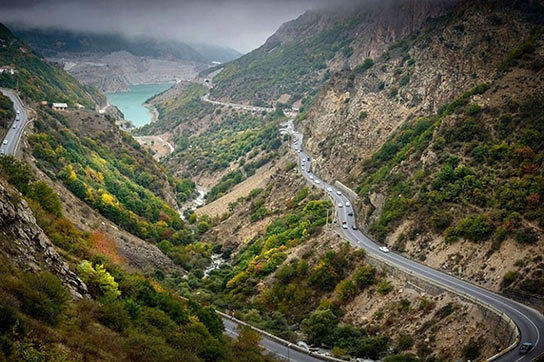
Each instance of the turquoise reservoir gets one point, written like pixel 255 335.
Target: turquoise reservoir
pixel 131 102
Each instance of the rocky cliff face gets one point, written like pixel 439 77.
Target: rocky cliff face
pixel 299 56
pixel 354 115
pixel 23 242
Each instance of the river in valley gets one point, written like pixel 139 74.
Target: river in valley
pixel 131 103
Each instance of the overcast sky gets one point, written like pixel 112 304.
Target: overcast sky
pixel 240 24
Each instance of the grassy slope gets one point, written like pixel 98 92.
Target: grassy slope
pixel 39 80
pixel 291 67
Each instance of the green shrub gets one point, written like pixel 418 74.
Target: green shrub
pixel 499 237
pixel 526 236
pixel 364 276
pixel 43 297
pixel 114 315
pixel 361 68
pixel 346 290
pixel 475 228
pixel 318 326
pixel 384 287
pixel 8 318
pixel 405 342
pixel 441 219
pixel 509 278
pixel 446 310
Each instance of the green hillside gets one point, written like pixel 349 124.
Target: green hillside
pixel 37 79
pixel 296 65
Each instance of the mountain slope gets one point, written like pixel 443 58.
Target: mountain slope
pixel 401 124
pixel 299 57
pixel 39 80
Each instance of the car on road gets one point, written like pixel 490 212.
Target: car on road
pixel 348 204
pixel 354 227
pixel 525 347
pixel 17 119
pixel 384 249
pixel 2 152
pixel 18 111
pixel 311 177
pixel 14 126
pixel 308 158
pixel 317 182
pixel 349 213
pixel 5 142
pixel 338 193
pixel 329 189
pixel 340 204
pixel 344 225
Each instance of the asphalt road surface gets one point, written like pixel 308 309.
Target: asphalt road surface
pixel 529 321
pixel 272 347
pixel 11 140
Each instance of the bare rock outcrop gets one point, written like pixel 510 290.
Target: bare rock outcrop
pixel 24 243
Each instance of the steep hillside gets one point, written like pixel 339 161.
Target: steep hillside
pixel 85 305
pixel 301 55
pixel 39 80
pixel 107 169
pixel 7 115
pixel 445 150
pixel 290 273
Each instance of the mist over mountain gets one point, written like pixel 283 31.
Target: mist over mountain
pixel 54 42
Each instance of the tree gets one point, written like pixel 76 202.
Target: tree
pixel 211 320
pixel 346 290
pixel 319 326
pixel 365 276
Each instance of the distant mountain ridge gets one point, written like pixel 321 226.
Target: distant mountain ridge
pixel 52 42
pixel 299 58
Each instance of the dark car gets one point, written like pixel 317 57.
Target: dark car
pixel 354 227
pixel 525 347
pixel 350 213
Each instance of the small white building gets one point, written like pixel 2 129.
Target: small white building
pixel 59 106
pixel 7 69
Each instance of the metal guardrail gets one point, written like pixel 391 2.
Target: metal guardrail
pixel 515 333
pixel 279 340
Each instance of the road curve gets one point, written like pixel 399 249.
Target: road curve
pixel 11 140
pixel 529 322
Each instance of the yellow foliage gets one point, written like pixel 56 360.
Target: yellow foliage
pixel 108 199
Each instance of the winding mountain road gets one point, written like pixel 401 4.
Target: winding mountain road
pixel 529 322
pixel 11 140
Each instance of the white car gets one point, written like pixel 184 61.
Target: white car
pixel 344 225
pixel 340 204
pixel 338 193
pixel 5 142
pixel 311 177
pixel 348 204
pixel 14 126
pixel 18 111
pixel 317 182
pixel 329 189
pixel 384 249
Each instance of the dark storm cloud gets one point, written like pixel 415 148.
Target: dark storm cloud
pixel 241 24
